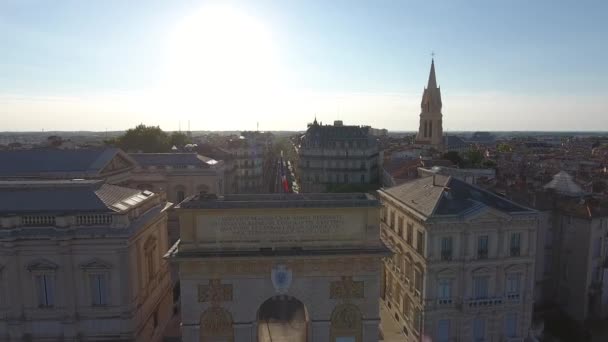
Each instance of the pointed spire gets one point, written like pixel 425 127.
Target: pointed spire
pixel 315 122
pixel 432 81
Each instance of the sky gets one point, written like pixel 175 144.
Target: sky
pixel 233 65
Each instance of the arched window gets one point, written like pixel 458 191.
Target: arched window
pixel 346 324
pixel 180 193
pixel 216 325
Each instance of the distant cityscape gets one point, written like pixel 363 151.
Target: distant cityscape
pixel 337 232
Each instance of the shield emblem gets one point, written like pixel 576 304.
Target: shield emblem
pixel 281 278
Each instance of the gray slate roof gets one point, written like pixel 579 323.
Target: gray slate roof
pixel 445 195
pixel 325 200
pixel 563 184
pixel 34 162
pixel 66 196
pixel 172 159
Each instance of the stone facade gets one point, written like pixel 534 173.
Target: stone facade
pixel 337 155
pixel 89 274
pixel 462 270
pixel 240 253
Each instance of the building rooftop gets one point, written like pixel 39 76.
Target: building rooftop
pixel 66 196
pixel 328 136
pixel 172 159
pixel 40 162
pixel 321 200
pixel 445 195
pixel 562 183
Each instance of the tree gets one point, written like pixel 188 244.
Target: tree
pixel 504 148
pixel 179 139
pixel 488 163
pixel 454 157
pixel 144 138
pixel 474 158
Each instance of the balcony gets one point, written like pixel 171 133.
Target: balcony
pixel 445 302
pixel 482 254
pixel 446 255
pixel 513 297
pixel 515 252
pixel 484 302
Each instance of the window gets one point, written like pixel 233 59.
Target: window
pixel 547 265
pixel 479 330
pixel 431 129
pixel 445 290
pixel 392 223
pixel 99 289
pixel 597 247
pixel 362 178
pixel 345 178
pixel 420 242
pixel 515 244
pixel 511 325
pixel 513 285
pixel 480 287
pixel 417 319
pixel 418 280
pixel 549 239
pixel 425 129
pixel 406 307
pixel 446 248
pixel 482 247
pixel 317 178
pixel 180 195
pixel 45 287
pixel 443 330
pixel 410 233
pixel 150 257
pixel 400 227
pixel 384 213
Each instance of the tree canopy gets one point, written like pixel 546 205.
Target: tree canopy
pixel 144 138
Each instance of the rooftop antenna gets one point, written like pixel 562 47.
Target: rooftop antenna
pixel 179 125
pixel 257 126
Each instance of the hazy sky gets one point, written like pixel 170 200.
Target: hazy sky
pixel 501 65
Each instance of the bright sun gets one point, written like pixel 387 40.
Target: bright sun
pixel 221 54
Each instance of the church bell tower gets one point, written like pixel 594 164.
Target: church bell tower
pixel 430 131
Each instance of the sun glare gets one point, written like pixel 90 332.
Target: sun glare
pixel 219 54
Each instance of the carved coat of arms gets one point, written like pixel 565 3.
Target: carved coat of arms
pixel 281 278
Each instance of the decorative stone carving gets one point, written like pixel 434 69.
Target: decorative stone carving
pixel 346 317
pixel 346 288
pixel 215 292
pixel 216 321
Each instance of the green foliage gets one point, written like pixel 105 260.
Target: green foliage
pixel 454 157
pixel 488 164
pixel 179 139
pixel 504 148
pixel 148 139
pixel 474 158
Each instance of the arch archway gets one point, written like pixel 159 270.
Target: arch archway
pixel 282 319
pixel 216 326
pixel 346 324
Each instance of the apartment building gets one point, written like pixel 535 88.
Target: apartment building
pixel 463 263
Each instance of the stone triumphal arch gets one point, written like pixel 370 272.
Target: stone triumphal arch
pixel 280 267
